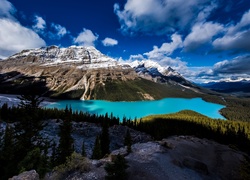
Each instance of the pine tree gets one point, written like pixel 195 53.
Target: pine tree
pixel 128 141
pixel 83 153
pixel 29 125
pixel 117 169
pixel 97 152
pixel 8 154
pixel 65 148
pixel 105 139
pixel 4 111
pixel 30 101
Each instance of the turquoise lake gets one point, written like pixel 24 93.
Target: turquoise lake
pixel 140 109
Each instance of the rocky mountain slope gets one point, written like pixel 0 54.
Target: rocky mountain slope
pixel 177 157
pixel 80 72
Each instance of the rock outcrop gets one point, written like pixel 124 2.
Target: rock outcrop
pixel 27 175
pixel 178 157
pixel 87 132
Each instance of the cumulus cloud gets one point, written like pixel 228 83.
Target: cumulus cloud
pixel 109 42
pixel 239 41
pixel 201 33
pixel 40 24
pixel 237 36
pixel 14 38
pixel 238 65
pixel 160 16
pixel 166 48
pixel 86 38
pixel 176 63
pixel 236 68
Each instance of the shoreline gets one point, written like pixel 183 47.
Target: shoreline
pixel 12 100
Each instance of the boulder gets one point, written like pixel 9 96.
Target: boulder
pixel 27 175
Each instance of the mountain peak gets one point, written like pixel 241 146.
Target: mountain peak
pixel 170 69
pixel 83 57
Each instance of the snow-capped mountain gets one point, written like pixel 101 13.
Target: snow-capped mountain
pixel 85 73
pixel 152 70
pixel 153 66
pixel 83 57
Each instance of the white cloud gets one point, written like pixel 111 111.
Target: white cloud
pixel 14 38
pixel 86 38
pixel 244 22
pixel 161 16
pixel 201 33
pixel 136 57
pixel 237 36
pixel 238 65
pixel 176 63
pixel 239 41
pixel 166 48
pixel 60 31
pixel 6 9
pixel 40 24
pixel 236 68
pixel 109 42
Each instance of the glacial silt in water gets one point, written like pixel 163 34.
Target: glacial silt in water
pixel 140 109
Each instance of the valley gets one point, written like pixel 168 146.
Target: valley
pixel 87 77
pixel 85 73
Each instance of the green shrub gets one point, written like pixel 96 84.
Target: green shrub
pixel 74 163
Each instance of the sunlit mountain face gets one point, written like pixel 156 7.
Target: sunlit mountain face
pixel 202 40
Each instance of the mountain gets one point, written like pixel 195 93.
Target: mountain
pixel 236 87
pixel 80 72
pixel 153 71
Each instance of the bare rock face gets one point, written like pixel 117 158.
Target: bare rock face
pixel 27 175
pixel 85 73
pixel 183 157
pixel 74 72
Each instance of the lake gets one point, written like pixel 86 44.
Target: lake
pixel 140 109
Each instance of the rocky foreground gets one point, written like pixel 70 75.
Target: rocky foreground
pixel 178 157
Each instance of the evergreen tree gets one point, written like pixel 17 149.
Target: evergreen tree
pixel 29 124
pixel 128 141
pixel 97 152
pixel 65 148
pixel 117 169
pixel 4 111
pixel 105 141
pixel 35 159
pixel 7 154
pixel 83 150
pixel 31 101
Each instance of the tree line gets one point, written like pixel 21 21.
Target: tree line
pixel 22 148
pixel 229 132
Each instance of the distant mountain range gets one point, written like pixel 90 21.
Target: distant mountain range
pixel 80 72
pixel 229 86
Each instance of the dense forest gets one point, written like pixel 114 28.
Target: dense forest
pixel 22 148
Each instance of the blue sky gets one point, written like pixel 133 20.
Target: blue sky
pixel 204 40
